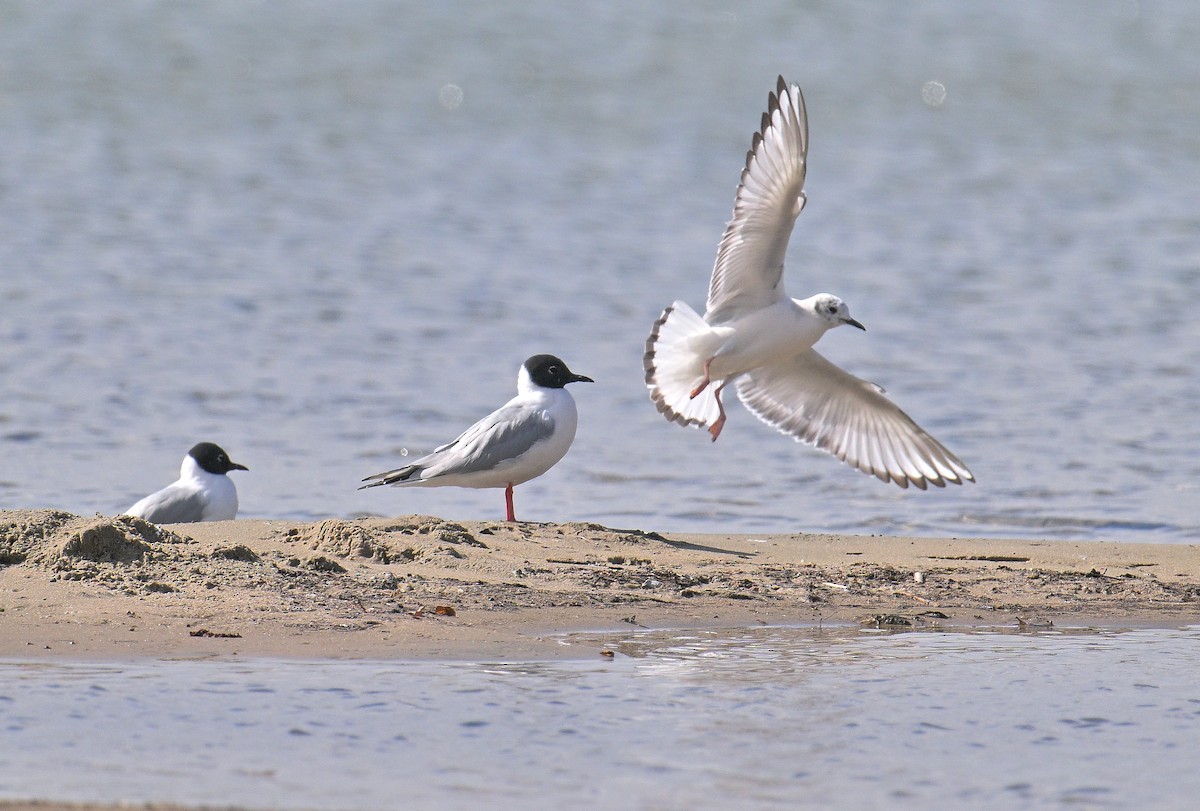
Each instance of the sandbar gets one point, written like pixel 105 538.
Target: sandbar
pixel 422 587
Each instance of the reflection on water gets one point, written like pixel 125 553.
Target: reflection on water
pixel 773 717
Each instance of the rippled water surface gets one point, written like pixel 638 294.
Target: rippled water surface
pixel 769 718
pixel 321 234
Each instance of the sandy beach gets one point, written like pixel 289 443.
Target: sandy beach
pixel 424 587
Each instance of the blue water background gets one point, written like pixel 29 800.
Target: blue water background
pixel 325 234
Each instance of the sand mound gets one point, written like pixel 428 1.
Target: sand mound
pixel 26 532
pixel 115 540
pixel 385 541
pixel 57 540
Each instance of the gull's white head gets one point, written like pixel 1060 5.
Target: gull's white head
pixel 832 311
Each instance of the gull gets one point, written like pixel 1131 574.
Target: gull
pixel 754 335
pixel 202 493
pixel 517 442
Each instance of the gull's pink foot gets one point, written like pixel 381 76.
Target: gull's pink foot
pixel 715 428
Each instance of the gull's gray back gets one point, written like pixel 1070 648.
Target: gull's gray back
pixel 173 505
pixel 506 435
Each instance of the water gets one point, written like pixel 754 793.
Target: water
pixel 323 234
pixel 766 718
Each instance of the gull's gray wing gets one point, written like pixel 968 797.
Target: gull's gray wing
pixel 505 434
pixel 171 505
pixel 748 273
pixel 820 404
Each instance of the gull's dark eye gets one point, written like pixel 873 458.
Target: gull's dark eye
pixel 553 370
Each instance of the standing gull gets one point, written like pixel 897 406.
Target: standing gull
pixel 517 442
pixel 753 334
pixel 203 492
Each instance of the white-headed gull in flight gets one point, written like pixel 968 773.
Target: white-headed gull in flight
pixel 753 334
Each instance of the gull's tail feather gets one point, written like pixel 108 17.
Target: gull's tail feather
pixel 398 476
pixel 674 369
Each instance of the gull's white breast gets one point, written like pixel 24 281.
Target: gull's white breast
pixel 559 407
pixel 222 497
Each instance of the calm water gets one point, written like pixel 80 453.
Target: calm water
pixel 320 234
pixel 784 718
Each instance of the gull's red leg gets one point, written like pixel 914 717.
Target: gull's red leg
pixel 508 502
pixel 703 385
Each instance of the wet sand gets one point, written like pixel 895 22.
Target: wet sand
pixel 423 587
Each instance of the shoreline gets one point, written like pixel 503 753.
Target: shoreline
pixel 419 587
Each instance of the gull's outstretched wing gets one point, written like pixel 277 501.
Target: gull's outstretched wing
pixel 748 273
pixel 820 404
